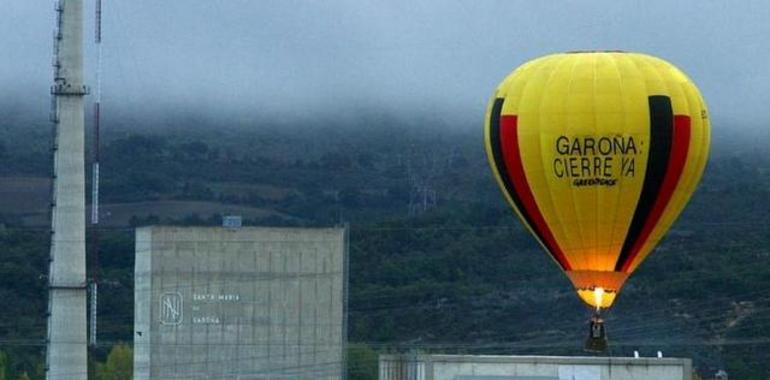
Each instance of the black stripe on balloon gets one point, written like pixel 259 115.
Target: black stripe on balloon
pixel 661 132
pixel 497 155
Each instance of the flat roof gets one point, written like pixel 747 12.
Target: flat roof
pixel 533 359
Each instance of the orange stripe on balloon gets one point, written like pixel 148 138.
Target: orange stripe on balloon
pixel 679 149
pixel 509 137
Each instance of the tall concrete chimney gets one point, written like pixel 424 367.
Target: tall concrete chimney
pixel 66 356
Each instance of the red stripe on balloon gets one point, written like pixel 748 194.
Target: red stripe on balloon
pixel 509 137
pixel 680 145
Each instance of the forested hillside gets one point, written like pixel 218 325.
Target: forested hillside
pixel 438 263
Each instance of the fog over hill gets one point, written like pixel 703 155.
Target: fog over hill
pixel 303 60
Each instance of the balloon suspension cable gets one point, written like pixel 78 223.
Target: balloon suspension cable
pixel 597 336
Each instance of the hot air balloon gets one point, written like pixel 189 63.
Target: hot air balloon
pixel 597 152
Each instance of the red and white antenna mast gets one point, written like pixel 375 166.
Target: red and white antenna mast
pixel 95 174
pixel 97 115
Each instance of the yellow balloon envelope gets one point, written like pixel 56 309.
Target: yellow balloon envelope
pixel 598 153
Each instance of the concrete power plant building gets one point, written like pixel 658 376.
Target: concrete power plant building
pixel 473 367
pixel 240 303
pixel 66 355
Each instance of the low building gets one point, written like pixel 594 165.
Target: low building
pixel 240 303
pixel 474 367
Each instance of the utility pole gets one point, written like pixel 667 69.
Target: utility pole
pixel 66 356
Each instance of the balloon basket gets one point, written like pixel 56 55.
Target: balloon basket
pixel 597 336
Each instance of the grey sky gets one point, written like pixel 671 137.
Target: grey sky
pixel 306 58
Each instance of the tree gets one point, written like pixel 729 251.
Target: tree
pixel 119 364
pixel 5 367
pixel 362 362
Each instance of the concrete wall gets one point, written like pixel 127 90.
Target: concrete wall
pixel 470 367
pixel 246 303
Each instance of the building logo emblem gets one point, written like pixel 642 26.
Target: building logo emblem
pixel 171 308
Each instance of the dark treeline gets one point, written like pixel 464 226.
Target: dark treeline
pixel 438 262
